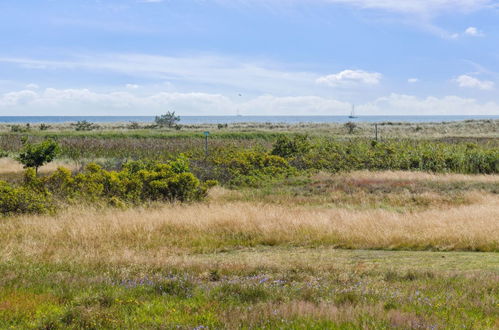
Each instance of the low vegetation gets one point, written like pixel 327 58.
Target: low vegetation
pixel 136 183
pixel 272 229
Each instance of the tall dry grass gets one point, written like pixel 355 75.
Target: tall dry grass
pixel 418 176
pixel 148 235
pixel 9 166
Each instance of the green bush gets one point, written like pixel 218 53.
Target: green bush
pixel 287 147
pixel 335 156
pixel 135 183
pixel 83 125
pixel 249 167
pixel 14 200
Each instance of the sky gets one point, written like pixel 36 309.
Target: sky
pixel 253 57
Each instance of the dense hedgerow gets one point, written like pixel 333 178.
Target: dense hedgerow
pixel 136 183
pixel 301 152
pixel 249 167
pixel 335 156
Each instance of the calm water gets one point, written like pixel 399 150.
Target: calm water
pixel 239 119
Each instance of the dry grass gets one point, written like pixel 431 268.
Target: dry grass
pixel 146 235
pixel 9 166
pixel 417 176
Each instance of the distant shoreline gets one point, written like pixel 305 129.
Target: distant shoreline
pixel 243 119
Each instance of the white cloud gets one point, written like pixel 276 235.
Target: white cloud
pixel 351 77
pixel 398 104
pixel 132 86
pixel 32 86
pixel 84 101
pixel 412 80
pixel 473 32
pixel 467 81
pixel 18 98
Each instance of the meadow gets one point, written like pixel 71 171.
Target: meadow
pixel 304 226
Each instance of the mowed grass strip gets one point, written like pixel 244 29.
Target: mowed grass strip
pixel 257 288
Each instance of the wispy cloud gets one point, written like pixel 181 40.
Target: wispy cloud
pixel 419 13
pixel 424 7
pixel 235 73
pixel 427 7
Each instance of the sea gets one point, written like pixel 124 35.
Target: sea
pixel 240 119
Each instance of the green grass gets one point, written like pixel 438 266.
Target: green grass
pixel 156 134
pixel 262 288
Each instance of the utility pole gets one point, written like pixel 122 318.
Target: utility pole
pixel 376 131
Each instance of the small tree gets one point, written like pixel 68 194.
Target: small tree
pixel 36 155
pixel 168 119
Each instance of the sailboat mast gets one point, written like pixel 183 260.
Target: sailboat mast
pixel 352 114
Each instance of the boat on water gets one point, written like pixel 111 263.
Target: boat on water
pixel 352 114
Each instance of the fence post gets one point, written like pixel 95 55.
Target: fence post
pixel 206 134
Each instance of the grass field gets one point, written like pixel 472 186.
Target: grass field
pixel 357 250
pixel 310 248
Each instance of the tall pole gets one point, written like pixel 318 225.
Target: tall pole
pixel 206 134
pixel 376 131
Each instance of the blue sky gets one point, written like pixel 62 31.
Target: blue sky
pixel 273 57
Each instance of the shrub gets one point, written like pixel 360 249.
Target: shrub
pixel 222 126
pixel 288 148
pixel 44 127
pixel 350 126
pixel 83 125
pixel 23 200
pixel 136 182
pixel 334 156
pixel 20 129
pixel 133 125
pixel 250 167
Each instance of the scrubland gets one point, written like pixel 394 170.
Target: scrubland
pixel 278 243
